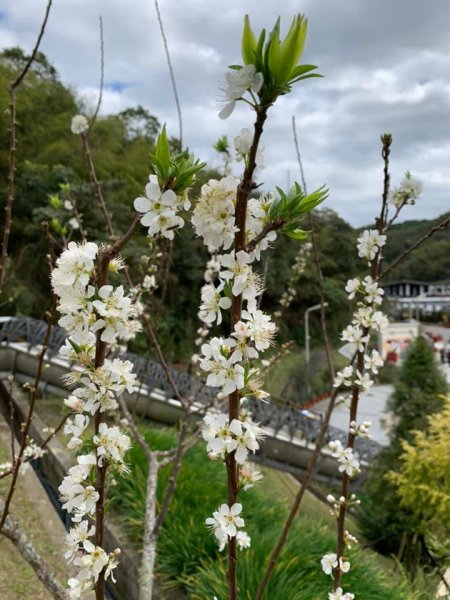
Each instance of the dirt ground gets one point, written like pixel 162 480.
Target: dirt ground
pixel 36 516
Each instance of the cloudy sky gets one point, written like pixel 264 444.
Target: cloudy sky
pixel 386 65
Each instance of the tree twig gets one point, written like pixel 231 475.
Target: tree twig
pixel 171 72
pixel 97 186
pixel 29 418
pixel 317 263
pixel 102 77
pixel 13 148
pixel 438 227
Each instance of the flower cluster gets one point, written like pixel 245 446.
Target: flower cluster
pixel 348 462
pixel 79 124
pixel 223 437
pixel 86 310
pixel 213 215
pixel 225 523
pixel 407 192
pixel 91 315
pixel 227 361
pixel 370 244
pixel 367 318
pixel 221 358
pixel 160 209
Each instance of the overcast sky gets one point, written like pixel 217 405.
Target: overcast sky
pixel 386 65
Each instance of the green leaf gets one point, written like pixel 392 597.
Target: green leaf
pixel 162 151
pixel 248 43
pixel 228 290
pixel 55 202
pixel 74 345
pixel 292 46
pixel 297 234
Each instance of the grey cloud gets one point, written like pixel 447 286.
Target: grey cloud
pixel 386 67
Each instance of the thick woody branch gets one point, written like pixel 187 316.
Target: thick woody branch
pixel 12 531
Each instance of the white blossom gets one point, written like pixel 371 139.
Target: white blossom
pixel 243 143
pixel 364 381
pixel 373 361
pixel 213 215
pixel 76 427
pixel 213 303
pixel 74 267
pixel 78 535
pixel 339 595
pixel 243 540
pixel 112 445
pixel 249 475
pixel 348 461
pixel 344 377
pixel 355 335
pixel 372 291
pixel 240 273
pixel 226 521
pixel 246 436
pixel 352 286
pixel 237 82
pixel 79 124
pixel 408 191
pixel 369 243
pixel 329 562
pixel 159 210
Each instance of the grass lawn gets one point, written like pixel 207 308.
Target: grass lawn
pixel 41 524
pixel 188 555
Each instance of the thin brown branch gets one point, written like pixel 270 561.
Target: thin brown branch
pixel 97 185
pixel 439 227
pixel 151 332
pixel 12 531
pixel 298 499
pixel 171 72
pixel 11 421
pixel 29 418
pixel 13 146
pixel 375 265
pixel 386 141
pixel 272 226
pixel 32 56
pixel 317 263
pixel 132 423
pixel 173 479
pixel 102 77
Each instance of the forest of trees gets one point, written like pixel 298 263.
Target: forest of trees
pixel 51 169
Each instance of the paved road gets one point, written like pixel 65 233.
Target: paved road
pixel 372 407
